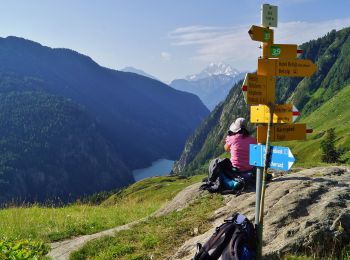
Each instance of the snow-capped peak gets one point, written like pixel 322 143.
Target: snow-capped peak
pixel 214 69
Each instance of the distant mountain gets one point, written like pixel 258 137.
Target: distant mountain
pixel 140 72
pixel 211 85
pixel 136 119
pixel 314 96
pixel 214 69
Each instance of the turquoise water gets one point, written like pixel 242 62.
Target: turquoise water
pixel 160 167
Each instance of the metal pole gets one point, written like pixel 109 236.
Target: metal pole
pixel 258 194
pixel 259 171
pixel 263 186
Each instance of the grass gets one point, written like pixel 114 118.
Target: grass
pixel 333 113
pixel 23 249
pixel 51 224
pixel 157 238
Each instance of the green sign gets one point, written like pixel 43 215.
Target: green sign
pixel 275 51
pixel 266 36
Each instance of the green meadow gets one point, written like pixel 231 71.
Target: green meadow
pixel 50 224
pixel 332 114
pixel 158 237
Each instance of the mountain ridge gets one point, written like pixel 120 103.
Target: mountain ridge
pixel 138 117
pixel 138 71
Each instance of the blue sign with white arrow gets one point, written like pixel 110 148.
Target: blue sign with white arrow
pixel 281 158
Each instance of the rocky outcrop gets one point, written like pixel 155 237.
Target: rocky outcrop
pixel 307 211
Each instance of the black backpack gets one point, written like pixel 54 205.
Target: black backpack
pixel 235 239
pixel 216 166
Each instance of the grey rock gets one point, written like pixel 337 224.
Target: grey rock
pixel 307 211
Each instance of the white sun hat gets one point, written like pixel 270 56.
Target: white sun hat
pixel 239 124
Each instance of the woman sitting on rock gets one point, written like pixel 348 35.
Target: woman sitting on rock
pixel 237 143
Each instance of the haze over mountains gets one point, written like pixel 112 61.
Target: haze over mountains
pixel 138 71
pixel 212 84
pixel 119 121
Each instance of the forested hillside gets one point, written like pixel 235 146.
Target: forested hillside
pixel 331 54
pixel 51 149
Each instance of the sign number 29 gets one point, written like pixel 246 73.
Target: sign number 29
pixel 275 51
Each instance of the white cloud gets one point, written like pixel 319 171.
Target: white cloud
pixel 300 32
pixel 233 44
pixel 165 55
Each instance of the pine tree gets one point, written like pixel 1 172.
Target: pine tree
pixel 329 153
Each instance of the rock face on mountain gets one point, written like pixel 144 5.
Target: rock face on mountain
pixel 331 54
pixel 305 212
pixel 211 85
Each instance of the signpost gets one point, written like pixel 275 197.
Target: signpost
pixel 286 132
pixel 281 51
pixel 286 67
pixel 258 89
pixel 261 34
pixel 282 114
pixel 269 15
pixel 281 158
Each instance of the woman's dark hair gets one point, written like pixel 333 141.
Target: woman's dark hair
pixel 243 132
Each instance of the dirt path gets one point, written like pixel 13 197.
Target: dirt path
pixel 62 249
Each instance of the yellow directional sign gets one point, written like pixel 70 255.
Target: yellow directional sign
pixel 286 67
pixel 261 34
pixel 281 51
pixel 258 89
pixel 282 133
pixel 283 114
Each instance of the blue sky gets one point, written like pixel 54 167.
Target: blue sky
pixel 166 38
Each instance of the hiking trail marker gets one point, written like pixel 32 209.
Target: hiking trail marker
pixel 281 51
pixel 281 158
pixel 283 114
pixel 286 67
pixel 285 132
pixel 258 89
pixel 261 34
pixel 276 119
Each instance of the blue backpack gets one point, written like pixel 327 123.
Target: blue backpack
pixel 235 239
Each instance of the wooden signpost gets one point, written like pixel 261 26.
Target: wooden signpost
pixel 276 119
